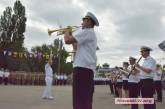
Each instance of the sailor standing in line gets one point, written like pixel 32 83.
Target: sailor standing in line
pixel 147 69
pixel 1 75
pixel 110 84
pixel 6 77
pixel 48 80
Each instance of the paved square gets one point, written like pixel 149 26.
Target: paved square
pixel 29 97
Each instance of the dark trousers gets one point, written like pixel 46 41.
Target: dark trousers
pixel 125 84
pixel 6 81
pixel 158 90
pixel 133 93
pixel 139 88
pixel 147 91
pixel 1 80
pixel 116 92
pixel 111 86
pixel 83 88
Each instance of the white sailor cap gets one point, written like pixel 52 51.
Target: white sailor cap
pixel 145 48
pixel 132 58
pixel 93 17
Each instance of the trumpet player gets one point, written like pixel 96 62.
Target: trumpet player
pixel 85 44
pixel 147 70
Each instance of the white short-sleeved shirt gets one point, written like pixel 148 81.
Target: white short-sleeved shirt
pixel 158 75
pixel 124 77
pixel 1 73
pixel 119 80
pixel 86 50
pixel 6 74
pixel 149 63
pixel 134 78
pixel 48 70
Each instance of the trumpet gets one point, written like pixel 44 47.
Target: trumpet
pixel 61 30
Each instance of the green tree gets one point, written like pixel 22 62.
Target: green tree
pixel 60 55
pixel 19 22
pixel 5 24
pixel 12 26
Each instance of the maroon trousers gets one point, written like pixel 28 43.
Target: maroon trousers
pixel 147 91
pixel 133 93
pixel 83 88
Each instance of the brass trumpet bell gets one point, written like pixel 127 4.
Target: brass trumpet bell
pixel 61 30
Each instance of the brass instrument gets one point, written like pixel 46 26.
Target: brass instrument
pixel 61 30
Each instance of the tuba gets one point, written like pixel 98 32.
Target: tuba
pixel 61 30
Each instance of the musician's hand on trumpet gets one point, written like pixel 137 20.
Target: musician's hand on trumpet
pixel 68 31
pixel 135 70
pixel 137 65
pixel 68 37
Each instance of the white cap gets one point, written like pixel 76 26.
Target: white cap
pixel 93 17
pixel 145 48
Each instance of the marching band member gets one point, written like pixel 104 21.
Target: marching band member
pixel 157 82
pixel 84 61
pixel 133 81
pixel 125 80
pixel 119 83
pixel 114 81
pixel 48 80
pixel 110 84
pixel 147 70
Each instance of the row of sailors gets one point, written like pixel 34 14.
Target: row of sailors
pixel 30 79
pixel 143 80
pixel 101 81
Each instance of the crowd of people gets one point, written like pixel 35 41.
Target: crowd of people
pixel 30 78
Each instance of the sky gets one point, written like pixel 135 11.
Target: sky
pixel 125 25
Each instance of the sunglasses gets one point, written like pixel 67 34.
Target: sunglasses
pixel 86 18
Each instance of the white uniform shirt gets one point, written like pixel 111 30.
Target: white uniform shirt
pixel 124 77
pixel 149 63
pixel 86 50
pixel 6 74
pixel 1 73
pixel 158 75
pixel 48 70
pixel 65 77
pixel 119 80
pixel 134 78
